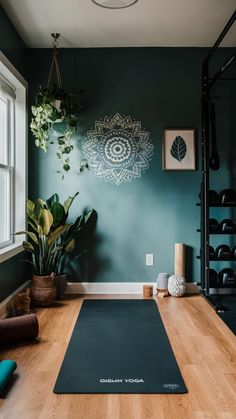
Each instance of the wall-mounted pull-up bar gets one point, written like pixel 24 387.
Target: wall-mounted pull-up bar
pixel 222 69
pixel 221 37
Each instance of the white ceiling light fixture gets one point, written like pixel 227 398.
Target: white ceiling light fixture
pixel 115 4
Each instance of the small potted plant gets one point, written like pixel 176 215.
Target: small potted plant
pixel 43 245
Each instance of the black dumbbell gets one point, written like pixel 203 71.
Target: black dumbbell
pixel 227 226
pixel 228 197
pixel 211 252
pixel 213 197
pixel 227 277
pixel 233 252
pixel 213 278
pixel 223 252
pixel 214 225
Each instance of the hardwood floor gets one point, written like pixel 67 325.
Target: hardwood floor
pixel 204 347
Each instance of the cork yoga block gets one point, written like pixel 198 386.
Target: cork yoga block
pixel 147 291
pixel 180 259
pixel 17 329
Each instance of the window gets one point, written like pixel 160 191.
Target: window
pixel 7 123
pixel 12 158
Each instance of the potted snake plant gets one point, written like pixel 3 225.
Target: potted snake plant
pixel 43 245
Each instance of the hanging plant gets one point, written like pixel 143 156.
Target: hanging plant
pixel 55 115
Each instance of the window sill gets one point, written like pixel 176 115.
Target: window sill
pixel 10 251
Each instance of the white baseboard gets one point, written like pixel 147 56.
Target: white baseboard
pixel 3 304
pixel 118 287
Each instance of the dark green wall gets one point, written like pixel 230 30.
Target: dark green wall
pixel 12 272
pixel 161 87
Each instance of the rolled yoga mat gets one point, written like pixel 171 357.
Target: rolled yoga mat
pixel 180 259
pixel 7 368
pixel 17 329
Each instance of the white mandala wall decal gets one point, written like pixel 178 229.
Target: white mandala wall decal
pixel 118 150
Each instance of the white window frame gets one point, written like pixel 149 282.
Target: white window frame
pixel 19 174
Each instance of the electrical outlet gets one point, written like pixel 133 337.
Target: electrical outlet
pixel 149 259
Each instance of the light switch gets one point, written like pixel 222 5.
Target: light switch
pixel 149 259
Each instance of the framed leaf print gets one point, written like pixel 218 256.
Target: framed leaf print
pixel 179 149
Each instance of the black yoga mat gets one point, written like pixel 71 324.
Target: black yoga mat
pixel 119 346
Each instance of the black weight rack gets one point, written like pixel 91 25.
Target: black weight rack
pixel 207 83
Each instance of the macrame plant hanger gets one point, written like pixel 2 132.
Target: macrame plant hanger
pixel 55 63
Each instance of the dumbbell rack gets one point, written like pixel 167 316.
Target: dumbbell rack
pixel 218 290
pixel 207 83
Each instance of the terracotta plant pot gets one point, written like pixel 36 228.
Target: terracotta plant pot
pixel 43 290
pixel 61 282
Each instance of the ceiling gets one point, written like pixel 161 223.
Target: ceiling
pixel 164 23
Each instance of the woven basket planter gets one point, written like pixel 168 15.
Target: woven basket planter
pixel 43 290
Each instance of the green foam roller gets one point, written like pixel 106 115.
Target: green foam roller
pixel 7 369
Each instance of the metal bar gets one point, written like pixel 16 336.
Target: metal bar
pixel 205 179
pixel 224 78
pixel 222 69
pixel 221 37
pixel 224 97
pixel 205 103
pixel 202 240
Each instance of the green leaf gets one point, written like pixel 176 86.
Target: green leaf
pixel 32 224
pixel 58 213
pixel 28 246
pixel 70 245
pixel 178 149
pixel 30 234
pixel 45 220
pixel 30 208
pixel 66 167
pixel 50 201
pixel 88 215
pixel 69 201
pixel 53 236
pixel 39 204
pixel 83 167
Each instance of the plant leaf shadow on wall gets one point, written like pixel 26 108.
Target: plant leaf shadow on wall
pixel 86 265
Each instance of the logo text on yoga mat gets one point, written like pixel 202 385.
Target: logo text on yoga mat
pixel 121 380
pixel 171 386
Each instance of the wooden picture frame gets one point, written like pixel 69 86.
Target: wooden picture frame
pixel 179 151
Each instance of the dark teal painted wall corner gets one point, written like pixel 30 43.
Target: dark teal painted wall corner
pixel 12 45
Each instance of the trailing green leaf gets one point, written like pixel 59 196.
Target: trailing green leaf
pixel 55 111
